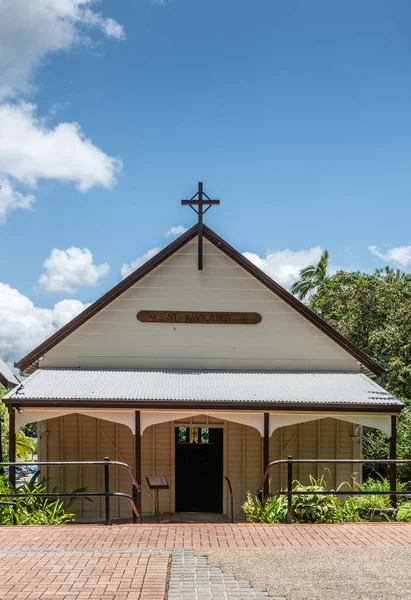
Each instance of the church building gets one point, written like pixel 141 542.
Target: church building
pixel 201 369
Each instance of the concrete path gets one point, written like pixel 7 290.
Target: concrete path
pixel 323 573
pixel 198 562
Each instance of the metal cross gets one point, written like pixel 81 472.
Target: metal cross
pixel 200 200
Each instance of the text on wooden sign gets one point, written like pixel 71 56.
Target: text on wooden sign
pixel 208 318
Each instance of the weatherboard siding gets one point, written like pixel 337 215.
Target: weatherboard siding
pixel 284 340
pixel 324 438
pixel 79 437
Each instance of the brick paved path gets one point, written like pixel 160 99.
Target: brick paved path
pixel 75 537
pixel 79 575
pixel 127 562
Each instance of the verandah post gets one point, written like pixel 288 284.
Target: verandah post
pixel 137 461
pixel 12 444
pixel 107 489
pixel 393 456
pixel 290 489
pixel 266 452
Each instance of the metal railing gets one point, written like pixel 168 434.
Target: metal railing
pixel 290 461
pixel 230 489
pixel 107 494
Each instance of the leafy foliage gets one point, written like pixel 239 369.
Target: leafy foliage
pixel 380 484
pixel 272 510
pixel 374 312
pixel 404 513
pixel 26 442
pixel 311 277
pixel 314 508
pixel 34 510
pixel 327 507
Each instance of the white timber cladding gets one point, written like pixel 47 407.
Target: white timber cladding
pixel 81 437
pixel 284 340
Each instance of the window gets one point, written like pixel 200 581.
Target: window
pixel 193 435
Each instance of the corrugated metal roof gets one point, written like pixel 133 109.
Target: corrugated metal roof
pixel 7 378
pixel 203 386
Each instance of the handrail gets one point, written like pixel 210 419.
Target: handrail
pixel 231 498
pixel 393 493
pixel 107 494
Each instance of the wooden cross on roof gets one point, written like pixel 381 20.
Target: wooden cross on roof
pixel 197 203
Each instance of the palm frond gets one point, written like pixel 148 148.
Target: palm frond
pixel 311 277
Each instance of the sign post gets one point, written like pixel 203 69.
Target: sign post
pixel 157 484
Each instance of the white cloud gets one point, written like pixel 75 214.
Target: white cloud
pixel 10 199
pixel 128 268
pixel 177 230
pixel 24 325
pixel 32 29
pixel 30 151
pixel 107 25
pixel 66 270
pixel 284 265
pixel 399 254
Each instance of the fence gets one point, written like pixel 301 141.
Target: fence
pixel 290 461
pixel 107 494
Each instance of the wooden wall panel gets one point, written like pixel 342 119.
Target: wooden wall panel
pixel 236 468
pixel 325 438
pixel 78 437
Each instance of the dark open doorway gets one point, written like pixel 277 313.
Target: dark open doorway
pixel 199 469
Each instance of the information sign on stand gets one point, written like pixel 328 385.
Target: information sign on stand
pixel 157 483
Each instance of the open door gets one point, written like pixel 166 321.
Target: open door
pixel 199 469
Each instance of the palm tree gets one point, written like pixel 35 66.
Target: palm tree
pixel 25 446
pixel 311 277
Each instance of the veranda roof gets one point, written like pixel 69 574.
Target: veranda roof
pixel 155 387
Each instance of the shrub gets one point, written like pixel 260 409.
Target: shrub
pixel 370 501
pixel 34 510
pixel 327 507
pixel 348 512
pixel 272 510
pixel 314 508
pixel 404 513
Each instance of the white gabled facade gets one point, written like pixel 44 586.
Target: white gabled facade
pixel 284 340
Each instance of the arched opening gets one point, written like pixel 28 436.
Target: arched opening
pixel 79 437
pixel 327 438
pixel 241 462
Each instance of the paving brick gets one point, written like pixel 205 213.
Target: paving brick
pixel 130 562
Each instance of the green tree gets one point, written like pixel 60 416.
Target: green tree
pixel 26 445
pixel 311 277
pixel 374 312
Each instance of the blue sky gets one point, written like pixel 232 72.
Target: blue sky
pixel 295 114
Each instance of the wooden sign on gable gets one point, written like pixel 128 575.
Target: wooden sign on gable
pixel 198 317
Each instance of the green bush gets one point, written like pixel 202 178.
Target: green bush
pixel 380 484
pixel 272 510
pixel 348 511
pixel 404 513
pixel 34 510
pixel 314 508
pixel 327 507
